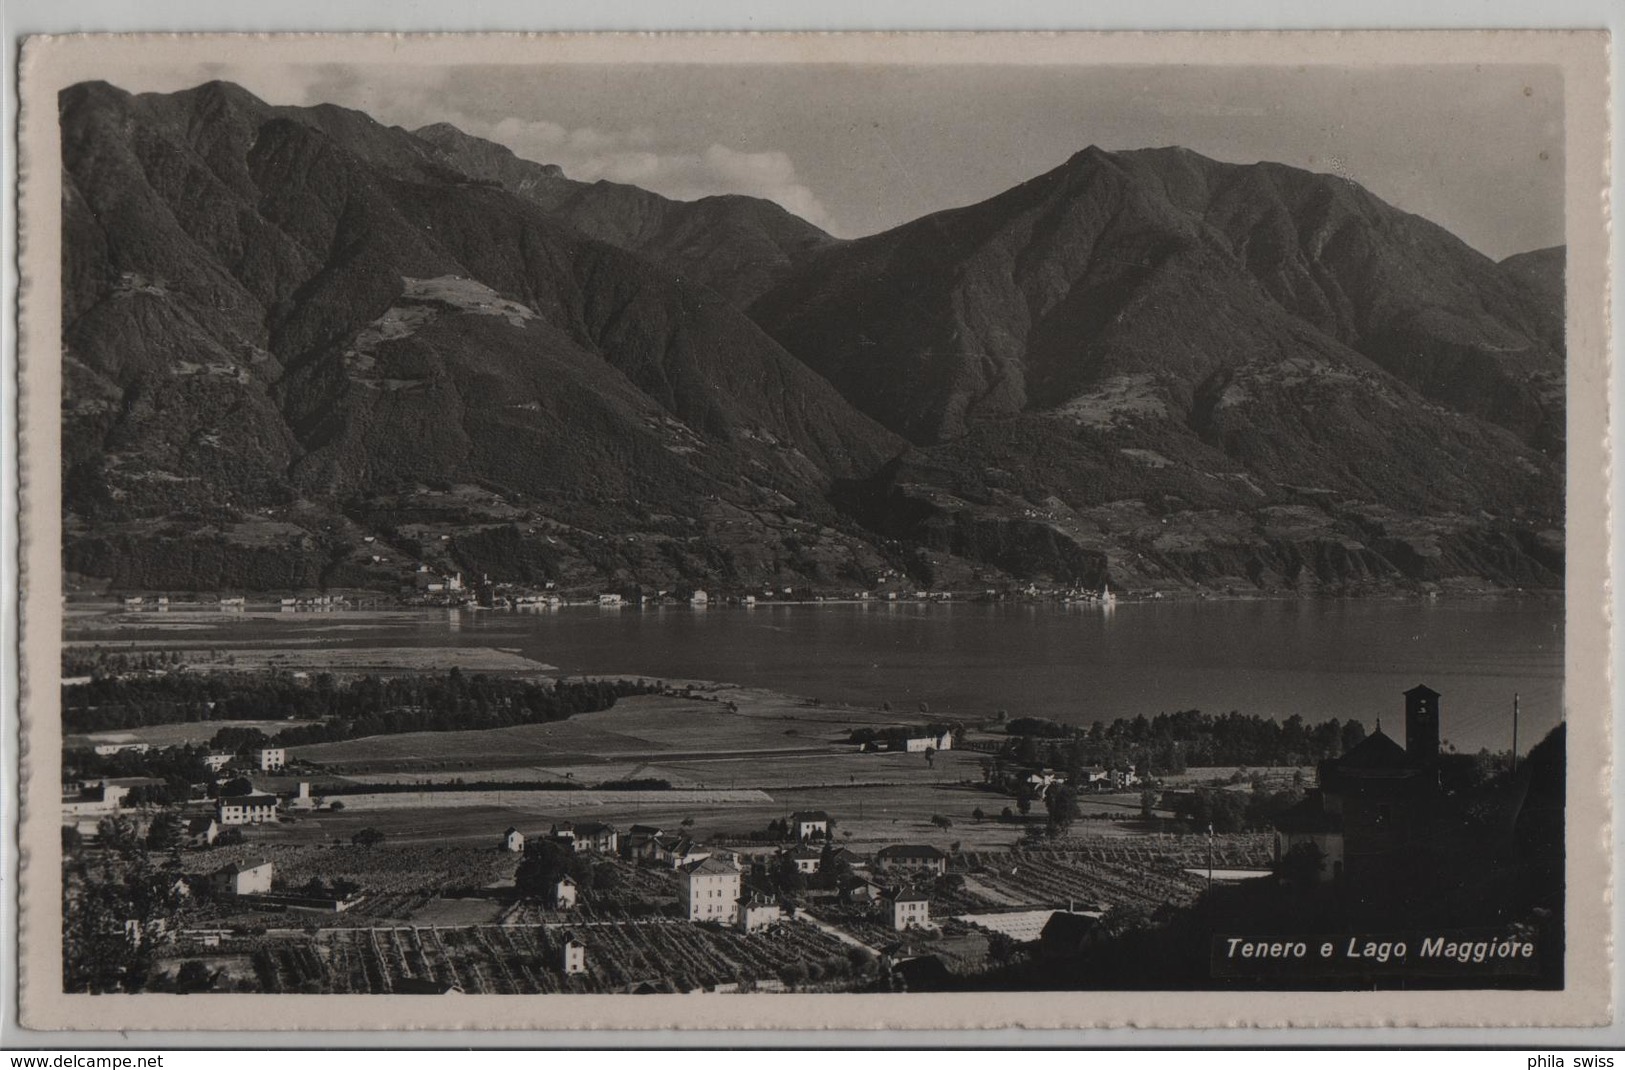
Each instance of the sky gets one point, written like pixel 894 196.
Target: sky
pixel 860 149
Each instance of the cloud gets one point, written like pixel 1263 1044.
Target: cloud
pixel 637 158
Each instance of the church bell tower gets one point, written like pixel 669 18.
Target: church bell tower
pixel 1422 724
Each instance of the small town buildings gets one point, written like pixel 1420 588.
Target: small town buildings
pixel 681 852
pixel 805 859
pixel 809 825
pixel 513 840
pixel 255 809
pixel 201 831
pixel 699 598
pixel 564 834
pixel 564 893
pixel 243 878
pixel 920 858
pixel 859 889
pixel 610 600
pixel 908 909
pixel 573 957
pixel 597 836
pixel 709 891
pixel 105 749
pixel 215 761
pixel 270 759
pixel 1376 806
pixel 1041 780
pixel 758 912
pixel 918 744
pixel 99 799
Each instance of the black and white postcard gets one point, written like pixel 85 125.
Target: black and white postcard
pixel 879 530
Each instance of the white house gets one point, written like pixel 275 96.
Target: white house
pixel 102 799
pixel 215 761
pixel 921 743
pixel 244 878
pixel 202 831
pixel 256 809
pixel 564 893
pixel 757 913
pixel 105 749
pixel 709 891
pixel 804 858
pixel 919 857
pixel 574 957
pixel 809 824
pixel 513 840
pixel 699 598
pixel 908 909
pixel 269 759
pixel 596 836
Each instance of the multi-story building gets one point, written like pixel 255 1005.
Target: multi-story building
pixel 709 891
pixel 908 910
pixel 256 809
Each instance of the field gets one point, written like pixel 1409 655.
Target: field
pixel 641 728
pixel 621 955
pixel 175 735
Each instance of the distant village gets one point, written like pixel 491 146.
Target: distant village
pixel 427 586
pixel 581 905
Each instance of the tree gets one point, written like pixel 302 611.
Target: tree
pixel 1007 814
pixel 164 833
pixel 942 822
pixel 931 757
pixel 978 815
pixel 1062 804
pixel 1024 803
pixel 367 837
pixel 194 976
pixel 71 839
pixel 338 804
pixel 117 832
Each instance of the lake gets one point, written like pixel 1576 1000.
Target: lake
pixel 1320 659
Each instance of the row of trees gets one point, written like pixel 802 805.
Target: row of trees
pixel 368 706
pixel 1172 742
pixel 408 703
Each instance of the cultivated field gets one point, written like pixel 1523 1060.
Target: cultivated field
pixel 621 955
pixel 174 735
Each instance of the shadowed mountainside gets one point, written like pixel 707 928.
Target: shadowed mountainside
pixel 303 349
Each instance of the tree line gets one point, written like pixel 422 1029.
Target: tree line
pixel 1171 742
pixel 367 706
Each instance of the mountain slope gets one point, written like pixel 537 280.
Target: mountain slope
pixel 1212 344
pixel 305 349
pixel 257 317
pixel 1023 302
pixel 737 246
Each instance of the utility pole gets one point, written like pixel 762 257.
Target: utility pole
pixel 1514 731
pixel 1210 857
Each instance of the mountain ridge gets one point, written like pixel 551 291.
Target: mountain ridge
pixel 302 349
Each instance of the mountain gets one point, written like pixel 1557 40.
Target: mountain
pixel 305 349
pixel 1159 367
pixel 278 321
pixel 738 246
